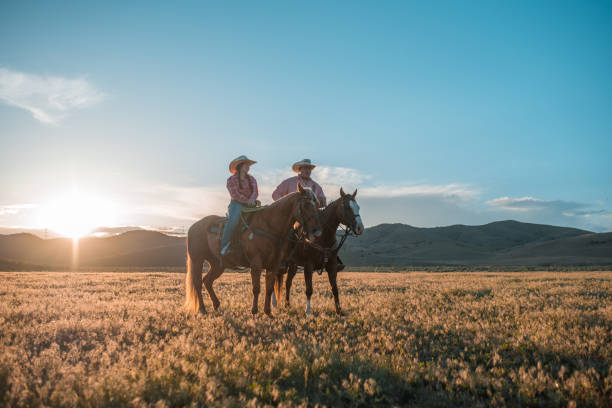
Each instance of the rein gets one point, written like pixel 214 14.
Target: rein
pixel 332 250
pixel 264 233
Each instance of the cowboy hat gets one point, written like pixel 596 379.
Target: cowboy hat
pixel 304 162
pixel 238 160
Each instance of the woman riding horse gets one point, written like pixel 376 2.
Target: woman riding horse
pixel 323 251
pixel 243 192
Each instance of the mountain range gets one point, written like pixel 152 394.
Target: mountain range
pixel 498 243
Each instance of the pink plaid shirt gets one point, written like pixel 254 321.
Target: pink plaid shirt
pixel 290 186
pixel 244 194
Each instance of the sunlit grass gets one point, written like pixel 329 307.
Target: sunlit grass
pixel 500 339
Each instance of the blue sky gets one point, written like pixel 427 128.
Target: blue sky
pixel 439 112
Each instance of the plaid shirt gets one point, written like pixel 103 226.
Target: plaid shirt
pixel 244 194
pixel 290 186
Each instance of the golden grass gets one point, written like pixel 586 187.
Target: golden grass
pixel 472 339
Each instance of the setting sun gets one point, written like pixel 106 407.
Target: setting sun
pixel 74 214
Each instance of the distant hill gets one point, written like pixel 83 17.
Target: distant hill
pixel 498 243
pixel 132 248
pixel 9 266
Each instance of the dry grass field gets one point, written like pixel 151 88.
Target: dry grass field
pixel 409 339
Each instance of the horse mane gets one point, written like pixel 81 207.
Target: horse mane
pixel 328 208
pixel 282 201
pixel 285 199
pixel 326 215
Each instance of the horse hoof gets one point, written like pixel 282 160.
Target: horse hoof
pixel 216 305
pixel 254 311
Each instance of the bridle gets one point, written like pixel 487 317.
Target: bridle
pixel 349 230
pixel 333 250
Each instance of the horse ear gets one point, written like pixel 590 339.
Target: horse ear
pixel 342 193
pixel 354 193
pixel 300 188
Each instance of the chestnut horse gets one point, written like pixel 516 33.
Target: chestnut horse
pixel 265 243
pixel 323 251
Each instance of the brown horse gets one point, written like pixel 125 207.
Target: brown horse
pixel 265 243
pixel 323 251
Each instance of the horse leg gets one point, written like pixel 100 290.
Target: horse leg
pixel 270 279
pixel 332 274
pixel 193 285
pixel 256 283
pixel 215 271
pixel 278 285
pixel 308 279
pixel 291 271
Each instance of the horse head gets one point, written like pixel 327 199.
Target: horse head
pixel 349 212
pixel 308 213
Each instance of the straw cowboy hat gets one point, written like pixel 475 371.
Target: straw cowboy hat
pixel 302 163
pixel 238 160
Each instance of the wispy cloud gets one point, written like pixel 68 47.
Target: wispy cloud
pixel 332 178
pixel 15 208
pixel 458 192
pixel 338 176
pixel 534 204
pixel 48 98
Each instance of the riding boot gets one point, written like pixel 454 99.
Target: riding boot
pixel 340 265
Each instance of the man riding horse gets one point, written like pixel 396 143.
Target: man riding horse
pixel 303 168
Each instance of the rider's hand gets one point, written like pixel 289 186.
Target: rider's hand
pixel 257 203
pixel 251 203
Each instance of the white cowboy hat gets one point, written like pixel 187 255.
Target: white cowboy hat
pixel 237 161
pixel 304 162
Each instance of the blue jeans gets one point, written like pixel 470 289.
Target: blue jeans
pixel 233 219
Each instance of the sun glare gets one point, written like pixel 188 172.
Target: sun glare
pixel 75 215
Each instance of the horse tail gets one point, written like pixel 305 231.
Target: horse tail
pixel 193 279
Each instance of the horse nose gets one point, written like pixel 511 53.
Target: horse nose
pixel 359 230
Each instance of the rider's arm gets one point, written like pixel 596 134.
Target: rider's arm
pixel 255 191
pixel 320 195
pixel 280 191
